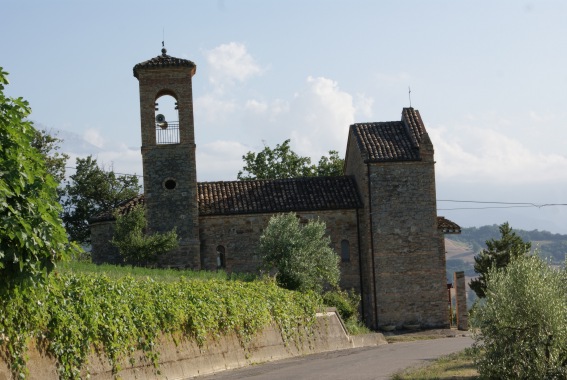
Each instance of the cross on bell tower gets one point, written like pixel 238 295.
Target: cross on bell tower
pixel 168 154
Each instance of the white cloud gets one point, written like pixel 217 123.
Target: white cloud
pixel 220 160
pixel 322 114
pixel 270 109
pixel 214 108
pixel 256 106
pixel 122 159
pixel 230 63
pixel 94 137
pixel 477 155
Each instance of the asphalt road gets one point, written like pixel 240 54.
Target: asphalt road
pixel 365 363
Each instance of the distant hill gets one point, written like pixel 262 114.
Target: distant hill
pixel 462 248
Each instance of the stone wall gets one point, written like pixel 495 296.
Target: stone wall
pixel 170 179
pixel 408 259
pixel 102 251
pixel 183 359
pixel 461 298
pixel 239 235
pixel 355 166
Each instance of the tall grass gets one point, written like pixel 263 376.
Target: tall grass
pixel 157 274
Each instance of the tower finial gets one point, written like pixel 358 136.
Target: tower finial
pixel 163 49
pixel 409 94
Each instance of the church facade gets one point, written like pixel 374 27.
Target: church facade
pixel 381 214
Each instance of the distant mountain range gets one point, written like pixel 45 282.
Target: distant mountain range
pixel 71 142
pixel 462 248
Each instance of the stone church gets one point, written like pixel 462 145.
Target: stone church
pixel 381 214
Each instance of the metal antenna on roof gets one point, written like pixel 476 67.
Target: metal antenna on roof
pixel 409 94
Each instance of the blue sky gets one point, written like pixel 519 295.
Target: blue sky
pixel 488 77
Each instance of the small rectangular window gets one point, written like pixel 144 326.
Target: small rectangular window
pixel 345 251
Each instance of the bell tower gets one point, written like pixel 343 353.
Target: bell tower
pixel 168 154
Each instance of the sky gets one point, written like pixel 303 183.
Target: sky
pixel 488 77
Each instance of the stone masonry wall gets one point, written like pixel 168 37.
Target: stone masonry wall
pixel 409 263
pixel 169 208
pixel 240 236
pixel 356 167
pixel 102 251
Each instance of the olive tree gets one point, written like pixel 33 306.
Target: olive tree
pixel 300 253
pixel 522 322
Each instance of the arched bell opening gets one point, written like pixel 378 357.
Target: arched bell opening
pixel 166 118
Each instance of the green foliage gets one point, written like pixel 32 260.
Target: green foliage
pixel 523 322
pixel 497 254
pixel 550 246
pixel 136 246
pixel 282 162
pixel 301 254
pixel 332 165
pixel 347 304
pixel 77 312
pixel 142 273
pixel 32 237
pixel 92 190
pixel 48 146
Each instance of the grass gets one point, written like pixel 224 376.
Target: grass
pixel 117 271
pixel 356 327
pixel 459 366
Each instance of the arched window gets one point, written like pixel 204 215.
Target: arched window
pixel 167 120
pixel 221 259
pixel 345 251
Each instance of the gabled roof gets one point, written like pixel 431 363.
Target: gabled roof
pixel 163 60
pixel 280 195
pixel 391 140
pixel 448 226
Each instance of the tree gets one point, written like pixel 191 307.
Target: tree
pixel 523 322
pixel 282 162
pixel 48 145
pixel 301 254
pixel 92 190
pixel 497 254
pixel 134 245
pixel 32 237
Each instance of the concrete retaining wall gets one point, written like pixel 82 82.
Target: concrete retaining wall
pixel 185 359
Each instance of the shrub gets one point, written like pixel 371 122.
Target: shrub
pixel 134 245
pixel 346 303
pixel 523 322
pixel 301 255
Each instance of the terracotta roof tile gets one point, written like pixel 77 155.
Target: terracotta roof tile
pixel 265 196
pixel 281 195
pixel 391 141
pixel 249 197
pixel 163 60
pixel 123 207
pixel 448 226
